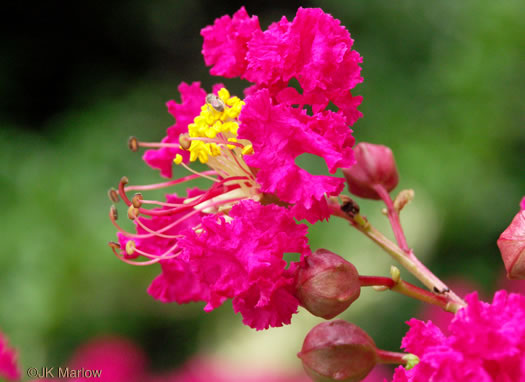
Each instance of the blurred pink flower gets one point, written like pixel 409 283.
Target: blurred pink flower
pixel 8 361
pixel 122 361
pixel 119 359
pixel 208 369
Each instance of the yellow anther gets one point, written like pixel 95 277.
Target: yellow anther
pixel 215 150
pixel 224 94
pixel 230 127
pixel 178 159
pixel 247 150
pixel 211 118
pixel 203 156
pixel 199 150
pixel 233 100
pixel 193 156
pixel 210 133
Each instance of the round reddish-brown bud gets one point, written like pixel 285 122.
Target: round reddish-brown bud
pixel 375 165
pixel 338 351
pixel 511 244
pixel 327 284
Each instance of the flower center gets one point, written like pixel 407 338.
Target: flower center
pixel 212 139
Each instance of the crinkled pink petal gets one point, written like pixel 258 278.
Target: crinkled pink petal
pixel 316 50
pixel 522 204
pixel 267 52
pixel 347 104
pixel 177 284
pixel 8 361
pixel 280 134
pixel 192 98
pixel 494 330
pixel 243 260
pixel 324 59
pixel 225 43
pixel 400 375
pixel 276 312
pixel 119 360
pixel 421 336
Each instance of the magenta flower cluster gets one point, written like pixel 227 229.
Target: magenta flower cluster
pixel 486 343
pixel 228 242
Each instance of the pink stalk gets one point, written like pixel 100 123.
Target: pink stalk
pixel 393 216
pixel 408 260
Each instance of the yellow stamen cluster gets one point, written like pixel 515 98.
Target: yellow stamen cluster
pixel 216 123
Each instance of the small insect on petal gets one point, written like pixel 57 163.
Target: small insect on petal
pixel 215 102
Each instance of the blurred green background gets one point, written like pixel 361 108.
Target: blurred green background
pixel 443 88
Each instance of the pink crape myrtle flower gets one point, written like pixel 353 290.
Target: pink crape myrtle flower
pixel 314 49
pixel 486 343
pixel 8 361
pixel 228 242
pixel 118 360
pixel 121 360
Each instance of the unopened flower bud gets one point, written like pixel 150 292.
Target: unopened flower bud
pixel 338 351
pixel 511 244
pixel 327 284
pixel 375 166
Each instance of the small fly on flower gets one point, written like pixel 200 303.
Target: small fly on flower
pixel 215 102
